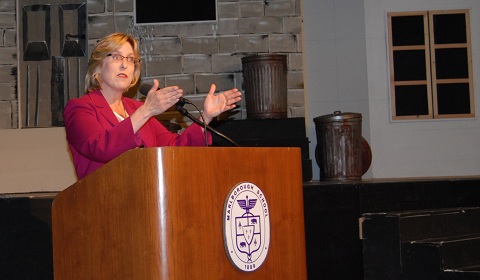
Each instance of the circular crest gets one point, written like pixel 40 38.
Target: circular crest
pixel 246 226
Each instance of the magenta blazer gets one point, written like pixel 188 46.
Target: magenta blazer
pixel 95 136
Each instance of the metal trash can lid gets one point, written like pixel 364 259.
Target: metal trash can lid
pixel 338 116
pixel 265 58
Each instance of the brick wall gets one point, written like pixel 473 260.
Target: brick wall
pixel 192 56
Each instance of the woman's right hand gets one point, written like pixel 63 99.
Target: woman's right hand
pixel 160 100
pixel 156 102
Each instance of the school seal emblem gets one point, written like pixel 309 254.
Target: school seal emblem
pixel 246 225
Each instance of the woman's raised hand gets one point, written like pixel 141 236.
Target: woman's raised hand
pixel 215 104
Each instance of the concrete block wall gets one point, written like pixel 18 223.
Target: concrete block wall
pixel 192 56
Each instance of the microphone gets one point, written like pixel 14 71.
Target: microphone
pixel 145 88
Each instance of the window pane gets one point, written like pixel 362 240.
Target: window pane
pixel 411 100
pixel 409 65
pixel 453 99
pixel 407 31
pixel 451 63
pixel 450 29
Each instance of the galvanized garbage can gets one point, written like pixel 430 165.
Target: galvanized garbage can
pixel 265 85
pixel 339 146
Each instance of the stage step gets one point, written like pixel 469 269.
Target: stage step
pixel 384 233
pixel 428 259
pixel 466 273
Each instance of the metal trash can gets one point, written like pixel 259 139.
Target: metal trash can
pixel 339 146
pixel 265 85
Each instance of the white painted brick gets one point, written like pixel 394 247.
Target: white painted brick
pixel 296 112
pixel 298 7
pixel 5 114
pixel 95 6
pixel 8 21
pixel 149 80
pixel 185 82
pixel 280 8
pixel 228 10
pixel 14 105
pixel 197 63
pixel 164 65
pixel 120 5
pixel 295 80
pixel 166 46
pixel 227 44
pixel 100 26
pixel 122 23
pixel 199 45
pixel 222 81
pixel 163 30
pixel 252 9
pixel 10 38
pixel 222 63
pixel 186 29
pixel 8 73
pixel 299 43
pixel 295 61
pixel 227 27
pixel 282 43
pixel 238 77
pixel 296 97
pixel 8 92
pixel 266 25
pixel 7 6
pixel 292 25
pixel 253 43
pixel 8 56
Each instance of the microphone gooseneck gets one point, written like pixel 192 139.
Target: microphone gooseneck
pixel 187 114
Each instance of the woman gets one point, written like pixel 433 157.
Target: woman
pixel 103 123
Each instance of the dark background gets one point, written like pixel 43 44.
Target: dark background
pixel 163 11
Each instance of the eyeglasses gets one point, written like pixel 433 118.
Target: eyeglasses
pixel 118 57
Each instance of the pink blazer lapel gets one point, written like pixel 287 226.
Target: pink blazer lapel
pixel 103 107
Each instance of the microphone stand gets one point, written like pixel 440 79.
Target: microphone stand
pixel 187 114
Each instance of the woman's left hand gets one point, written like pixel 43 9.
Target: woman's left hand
pixel 215 104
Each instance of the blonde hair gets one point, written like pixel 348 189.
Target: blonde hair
pixel 105 46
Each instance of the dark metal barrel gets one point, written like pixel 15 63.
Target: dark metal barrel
pixel 265 86
pixel 339 146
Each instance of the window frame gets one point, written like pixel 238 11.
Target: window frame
pixel 431 81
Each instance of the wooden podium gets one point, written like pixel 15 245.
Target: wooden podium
pixel 157 213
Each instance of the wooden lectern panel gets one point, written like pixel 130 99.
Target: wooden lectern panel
pixel 157 213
